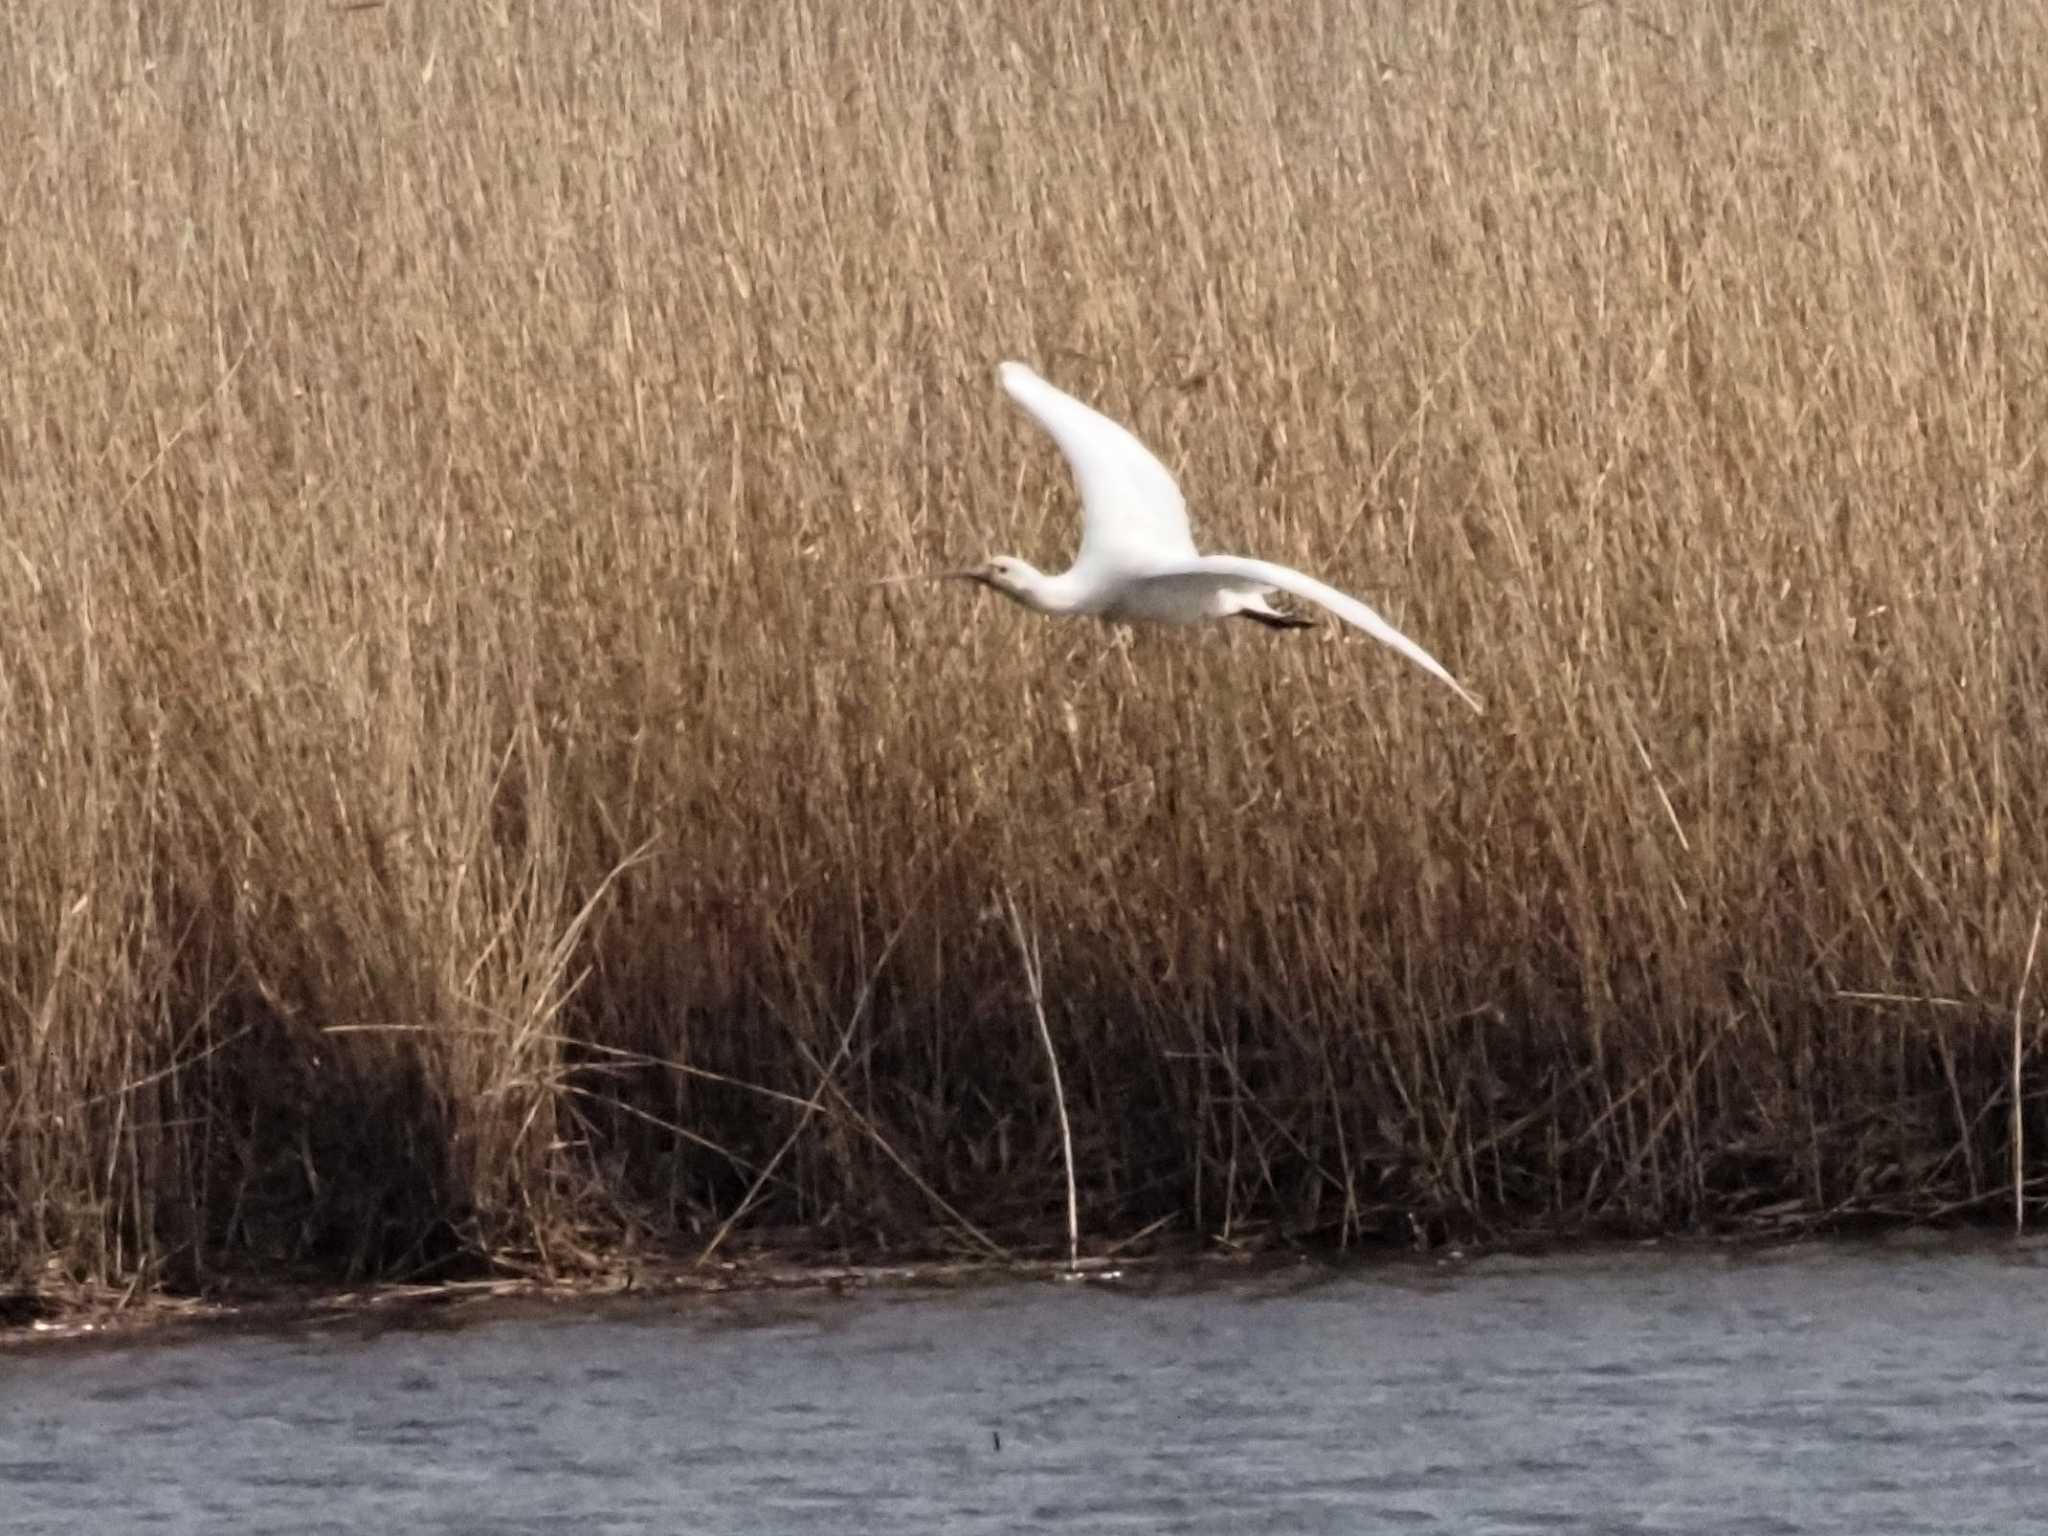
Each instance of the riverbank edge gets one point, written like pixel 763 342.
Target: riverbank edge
pixel 785 1263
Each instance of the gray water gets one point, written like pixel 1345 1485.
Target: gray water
pixel 1855 1390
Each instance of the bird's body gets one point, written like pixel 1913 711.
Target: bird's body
pixel 1137 562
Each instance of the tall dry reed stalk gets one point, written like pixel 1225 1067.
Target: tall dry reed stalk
pixel 441 448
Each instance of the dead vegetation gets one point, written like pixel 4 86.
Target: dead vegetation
pixel 458 800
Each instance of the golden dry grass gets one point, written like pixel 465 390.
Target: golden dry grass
pixel 457 794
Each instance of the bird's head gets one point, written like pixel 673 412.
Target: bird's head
pixel 1015 579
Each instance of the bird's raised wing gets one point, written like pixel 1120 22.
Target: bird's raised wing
pixel 1227 571
pixel 1132 512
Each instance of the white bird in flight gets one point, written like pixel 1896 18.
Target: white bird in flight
pixel 1137 560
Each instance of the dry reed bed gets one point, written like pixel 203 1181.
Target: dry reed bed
pixel 458 798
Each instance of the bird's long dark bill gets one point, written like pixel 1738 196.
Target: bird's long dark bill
pixel 893 581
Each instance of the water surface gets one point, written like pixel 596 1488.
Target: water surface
pixel 1855 1390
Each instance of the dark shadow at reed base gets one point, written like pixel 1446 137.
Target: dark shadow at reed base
pixel 307 1157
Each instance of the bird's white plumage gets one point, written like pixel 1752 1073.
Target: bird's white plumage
pixel 1232 572
pixel 1132 511
pixel 1137 559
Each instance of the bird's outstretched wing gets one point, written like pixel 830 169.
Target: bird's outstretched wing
pixel 1223 572
pixel 1132 512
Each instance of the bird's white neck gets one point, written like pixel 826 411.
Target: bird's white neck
pixel 1047 594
